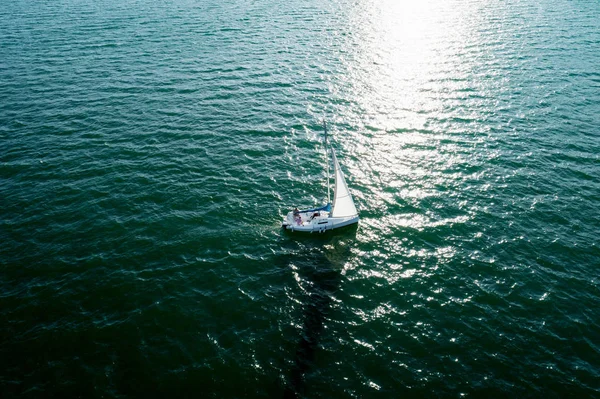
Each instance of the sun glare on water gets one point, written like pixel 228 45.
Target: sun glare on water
pixel 404 73
pixel 406 55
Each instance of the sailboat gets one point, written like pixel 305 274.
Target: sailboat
pixel 339 213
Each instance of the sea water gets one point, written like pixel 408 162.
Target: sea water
pixel 149 150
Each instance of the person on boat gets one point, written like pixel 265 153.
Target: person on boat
pixel 297 217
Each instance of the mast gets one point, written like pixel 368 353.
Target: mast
pixel 327 161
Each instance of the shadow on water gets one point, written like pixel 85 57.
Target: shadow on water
pixel 318 260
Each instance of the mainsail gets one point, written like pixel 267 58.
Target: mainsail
pixel 343 204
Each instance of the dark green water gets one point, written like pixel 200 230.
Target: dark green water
pixel 148 151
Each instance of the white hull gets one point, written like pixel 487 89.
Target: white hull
pixel 316 222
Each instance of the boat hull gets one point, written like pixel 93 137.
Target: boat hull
pixel 318 224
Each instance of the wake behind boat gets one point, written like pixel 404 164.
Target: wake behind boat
pixel 342 212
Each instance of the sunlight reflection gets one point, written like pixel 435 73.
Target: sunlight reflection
pixel 403 48
pixel 402 71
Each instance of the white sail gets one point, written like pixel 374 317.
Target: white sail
pixel 343 204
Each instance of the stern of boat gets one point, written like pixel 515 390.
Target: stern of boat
pixel 287 220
